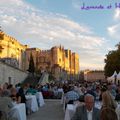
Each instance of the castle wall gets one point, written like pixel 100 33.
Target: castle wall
pixel 10 74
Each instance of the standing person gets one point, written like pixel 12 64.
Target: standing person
pixel 87 111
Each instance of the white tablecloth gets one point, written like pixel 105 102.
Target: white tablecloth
pixel 40 99
pixel 70 110
pixel 63 100
pixel 19 111
pixel 31 103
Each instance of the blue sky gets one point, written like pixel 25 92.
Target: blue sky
pixel 46 23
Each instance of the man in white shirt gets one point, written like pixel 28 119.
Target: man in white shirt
pixel 87 111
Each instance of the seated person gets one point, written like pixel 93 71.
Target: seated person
pixel 87 111
pixel 31 90
pixel 71 95
pixel 108 114
pixel 15 96
pixel 108 101
pixel 22 92
pixel 5 105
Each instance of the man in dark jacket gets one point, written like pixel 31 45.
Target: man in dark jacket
pixel 87 111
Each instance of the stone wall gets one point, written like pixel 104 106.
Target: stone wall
pixel 94 75
pixel 10 74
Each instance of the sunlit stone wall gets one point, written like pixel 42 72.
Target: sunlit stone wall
pixel 10 74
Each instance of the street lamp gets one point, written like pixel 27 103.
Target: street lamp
pixel 115 78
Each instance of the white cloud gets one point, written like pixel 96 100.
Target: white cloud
pixel 117 14
pixel 76 4
pixel 40 29
pixel 114 31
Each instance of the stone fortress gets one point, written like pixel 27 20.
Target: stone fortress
pixel 61 63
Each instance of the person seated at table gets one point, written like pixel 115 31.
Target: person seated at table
pixel 108 101
pixel 97 93
pixel 71 95
pixel 112 89
pixel 90 90
pixel 15 96
pixel 10 86
pixel 5 85
pixel 108 114
pixel 22 92
pixel 45 91
pixel 31 90
pixel 60 92
pixel 5 105
pixel 103 89
pixel 87 111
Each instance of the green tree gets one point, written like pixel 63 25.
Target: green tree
pixel 112 61
pixel 31 68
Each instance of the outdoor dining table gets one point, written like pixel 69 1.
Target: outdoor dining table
pixel 18 111
pixel 40 99
pixel 31 103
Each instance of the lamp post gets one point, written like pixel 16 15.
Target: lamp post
pixel 115 78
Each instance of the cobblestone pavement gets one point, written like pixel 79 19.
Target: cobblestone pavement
pixel 52 110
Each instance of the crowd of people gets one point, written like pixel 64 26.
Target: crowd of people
pixel 11 95
pixel 86 92
pixel 108 94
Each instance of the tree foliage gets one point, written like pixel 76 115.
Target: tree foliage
pixel 31 68
pixel 112 61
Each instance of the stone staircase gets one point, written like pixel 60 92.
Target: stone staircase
pixel 35 79
pixel 32 80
